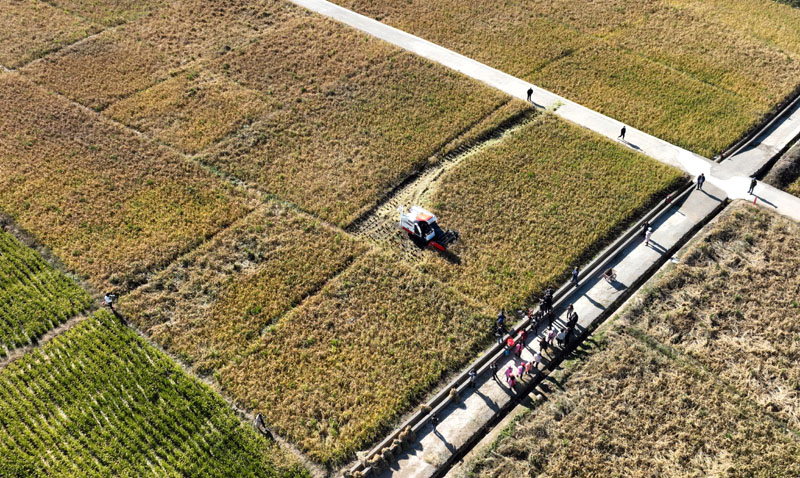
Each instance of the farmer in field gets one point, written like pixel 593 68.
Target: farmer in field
pixel 700 180
pixel 753 184
pixel 108 301
pixel 530 93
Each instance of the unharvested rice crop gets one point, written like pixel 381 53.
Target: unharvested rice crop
pixel 109 203
pixel 133 57
pixel 98 401
pixel 109 12
pixel 733 305
pixel 31 29
pixel 350 116
pixel 212 306
pixel 34 297
pixel 334 374
pixel 630 409
pixel 540 202
pixel 693 72
pixel 191 110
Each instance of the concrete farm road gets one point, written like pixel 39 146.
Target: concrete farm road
pixel 731 179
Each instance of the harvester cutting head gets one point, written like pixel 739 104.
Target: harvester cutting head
pixel 422 227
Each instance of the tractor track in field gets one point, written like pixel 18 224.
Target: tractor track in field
pixel 380 224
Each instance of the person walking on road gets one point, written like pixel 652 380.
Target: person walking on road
pixel 493 368
pixel 647 236
pixel 645 227
pixel 700 180
pixel 551 335
pixel 434 422
pixel 498 334
pixel 622 133
pixel 518 349
pixel 530 94
pixel 753 184
pixel 575 273
pixel 472 376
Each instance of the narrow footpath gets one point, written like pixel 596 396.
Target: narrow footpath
pixel 731 176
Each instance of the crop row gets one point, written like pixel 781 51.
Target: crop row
pixel 537 204
pixel 111 204
pixel 34 297
pixel 98 401
pixel 692 72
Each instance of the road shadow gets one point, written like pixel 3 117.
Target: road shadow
pixel 711 195
pixel 765 201
pixel 447 444
pixel 657 247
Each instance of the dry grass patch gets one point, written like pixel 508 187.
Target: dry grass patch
pixel 98 401
pixel 350 116
pixel 34 297
pixel 733 304
pixel 695 73
pixel 539 202
pixel 335 373
pixel 118 63
pixel 191 110
pixel 631 410
pixel 31 29
pixel 213 305
pixel 111 204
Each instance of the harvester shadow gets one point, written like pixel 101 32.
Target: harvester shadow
pixel 450 257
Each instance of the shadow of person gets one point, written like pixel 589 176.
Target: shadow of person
pixel 657 247
pixel 765 201
pixel 447 444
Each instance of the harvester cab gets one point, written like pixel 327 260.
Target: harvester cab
pixel 422 228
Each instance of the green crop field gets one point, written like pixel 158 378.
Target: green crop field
pixel 98 401
pixel 34 297
pixel 697 377
pixel 530 208
pixel 692 72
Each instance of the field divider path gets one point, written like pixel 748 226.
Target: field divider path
pixel 729 180
pixel 463 421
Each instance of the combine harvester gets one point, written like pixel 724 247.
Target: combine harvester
pixel 423 229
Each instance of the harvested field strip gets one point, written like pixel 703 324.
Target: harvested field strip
pixel 350 117
pixel 693 74
pixel 34 297
pixel 213 305
pixel 98 401
pixel 32 29
pixel 630 407
pixel 112 205
pixel 530 208
pixel 733 304
pixel 381 225
pixel 373 342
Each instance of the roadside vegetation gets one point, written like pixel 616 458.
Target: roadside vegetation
pixel 34 297
pixel 112 205
pixel 98 401
pixel 695 73
pixel 334 374
pixel 212 306
pixel 698 376
pixel 785 174
pixel 532 207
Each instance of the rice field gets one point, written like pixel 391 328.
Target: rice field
pixel 532 207
pixel 336 372
pixel 697 377
pixel 32 29
pixel 110 204
pixel 695 73
pixel 34 297
pixel 98 401
pixel 349 118
pixel 212 306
